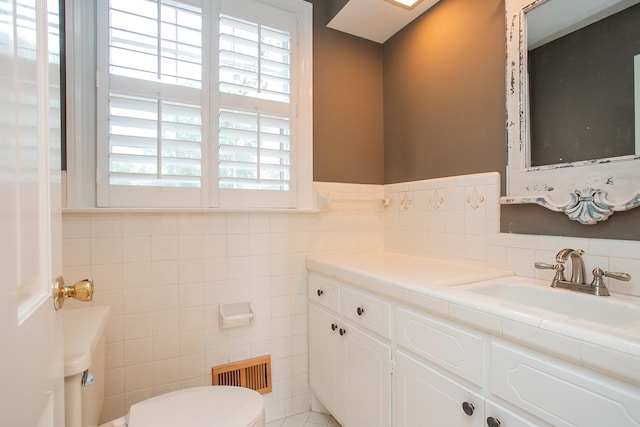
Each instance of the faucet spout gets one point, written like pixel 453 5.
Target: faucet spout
pixel 578 273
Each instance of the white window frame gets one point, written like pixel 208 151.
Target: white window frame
pixel 84 185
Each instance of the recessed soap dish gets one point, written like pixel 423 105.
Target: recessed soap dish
pixel 235 315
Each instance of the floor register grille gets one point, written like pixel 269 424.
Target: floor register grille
pixel 251 373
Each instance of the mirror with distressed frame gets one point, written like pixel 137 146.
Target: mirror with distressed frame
pixel 573 139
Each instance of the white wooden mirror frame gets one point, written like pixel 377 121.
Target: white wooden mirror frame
pixel 586 191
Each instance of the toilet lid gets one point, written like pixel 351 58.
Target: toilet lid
pixel 219 406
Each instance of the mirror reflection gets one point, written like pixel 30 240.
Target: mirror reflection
pixel 583 68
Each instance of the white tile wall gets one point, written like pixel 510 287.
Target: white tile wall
pixel 452 218
pixel 165 274
pixel 459 218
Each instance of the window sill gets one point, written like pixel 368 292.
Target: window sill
pixel 187 210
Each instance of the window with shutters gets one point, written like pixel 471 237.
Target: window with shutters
pixel 204 103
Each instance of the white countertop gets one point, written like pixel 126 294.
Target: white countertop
pixel 83 328
pixel 444 288
pixel 405 271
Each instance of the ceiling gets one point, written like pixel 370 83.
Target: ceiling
pixel 375 20
pixel 554 19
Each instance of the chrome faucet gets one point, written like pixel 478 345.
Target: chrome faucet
pixel 577 264
pixel 577 281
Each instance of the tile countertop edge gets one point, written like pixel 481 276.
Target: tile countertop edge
pixel 444 299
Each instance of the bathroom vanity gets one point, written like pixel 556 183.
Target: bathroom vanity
pixel 400 341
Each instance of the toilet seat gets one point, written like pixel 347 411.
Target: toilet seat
pixel 210 406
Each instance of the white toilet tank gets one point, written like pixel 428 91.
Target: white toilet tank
pixel 84 363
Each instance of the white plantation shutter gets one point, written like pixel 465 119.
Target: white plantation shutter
pixel 254 151
pixel 147 151
pixel 255 60
pixel 153 101
pixel 256 121
pixel 202 102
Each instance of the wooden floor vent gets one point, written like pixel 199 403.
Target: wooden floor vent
pixel 251 373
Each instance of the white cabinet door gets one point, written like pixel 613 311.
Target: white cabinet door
pixel 349 371
pixel 423 397
pixel 367 379
pixel 578 397
pixel 324 366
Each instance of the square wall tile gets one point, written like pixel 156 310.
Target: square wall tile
pixel 165 322
pixel 107 250
pixel 136 275
pixel 192 366
pixel 164 248
pixel 136 225
pixel 76 252
pixel 138 352
pixel 190 224
pixel 166 372
pixel 138 377
pixel 76 226
pixel 166 346
pixel 137 326
pixel 114 355
pixel 164 224
pixel 106 226
pixel 107 277
pixel 136 249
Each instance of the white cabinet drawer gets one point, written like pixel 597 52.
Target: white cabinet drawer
pixel 451 347
pixel 425 397
pixel 324 292
pixel 501 416
pixel 560 393
pixel 366 311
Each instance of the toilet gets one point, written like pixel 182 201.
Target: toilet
pixel 219 406
pixel 209 406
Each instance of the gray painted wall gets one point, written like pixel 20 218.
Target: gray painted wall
pixel 347 105
pixel 429 103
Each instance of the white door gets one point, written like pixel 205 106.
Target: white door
pixel 31 346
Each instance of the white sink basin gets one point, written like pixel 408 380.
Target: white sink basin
pixel 610 310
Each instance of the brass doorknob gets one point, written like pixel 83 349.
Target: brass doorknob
pixel 82 291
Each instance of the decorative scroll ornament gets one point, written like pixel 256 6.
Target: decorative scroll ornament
pixel 588 206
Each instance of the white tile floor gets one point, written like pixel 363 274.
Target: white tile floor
pixel 306 419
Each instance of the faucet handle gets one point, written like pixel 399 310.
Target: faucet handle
pixel 598 273
pixel 625 277
pixel 544 266
pixel 598 284
pixel 559 269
